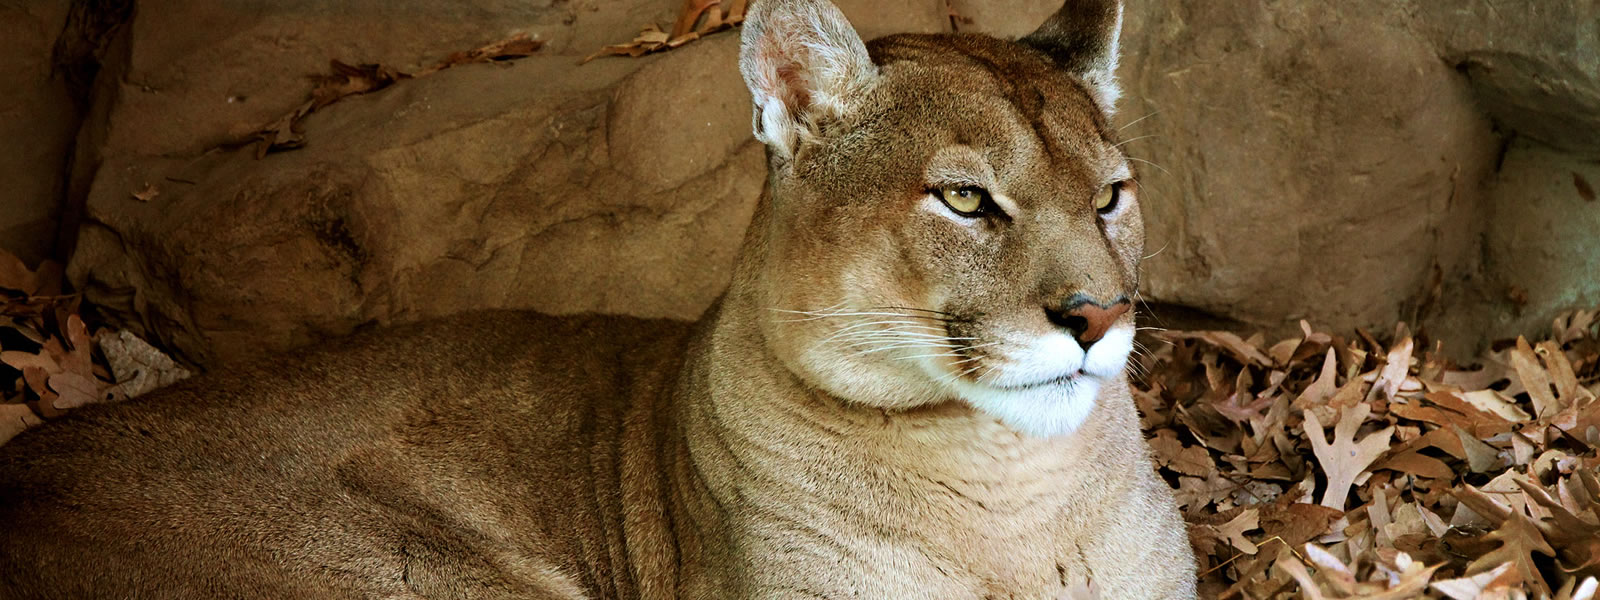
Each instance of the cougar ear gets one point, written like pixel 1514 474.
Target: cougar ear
pixel 804 64
pixel 1082 37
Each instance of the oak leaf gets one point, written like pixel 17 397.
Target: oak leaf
pixel 1519 539
pixel 1344 459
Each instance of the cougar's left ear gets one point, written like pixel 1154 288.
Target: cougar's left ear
pixel 1082 37
pixel 804 64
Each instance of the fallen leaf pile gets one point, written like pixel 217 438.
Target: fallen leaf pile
pixel 288 131
pixel 1332 467
pixel 49 361
pixel 697 19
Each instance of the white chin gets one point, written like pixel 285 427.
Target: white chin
pixel 1042 411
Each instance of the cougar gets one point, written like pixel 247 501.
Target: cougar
pixel 913 388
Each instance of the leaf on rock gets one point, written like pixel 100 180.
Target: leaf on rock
pixel 287 132
pixel 147 194
pixel 697 19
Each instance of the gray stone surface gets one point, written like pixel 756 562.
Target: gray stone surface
pixel 1545 220
pixel 1535 65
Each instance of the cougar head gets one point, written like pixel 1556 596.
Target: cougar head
pixel 949 217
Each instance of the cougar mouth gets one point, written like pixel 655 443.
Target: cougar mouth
pixel 1037 398
pixel 1064 379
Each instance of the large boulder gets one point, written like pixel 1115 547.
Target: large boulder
pixel 1335 162
pixel 37 124
pixel 1302 159
pixel 1534 65
pixel 619 186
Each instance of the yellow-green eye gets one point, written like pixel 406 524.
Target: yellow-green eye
pixel 1106 200
pixel 967 201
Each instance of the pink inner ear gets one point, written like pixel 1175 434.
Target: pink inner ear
pixel 794 94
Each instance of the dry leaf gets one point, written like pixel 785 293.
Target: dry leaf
pixel 287 132
pixel 147 194
pixel 1233 530
pixel 1534 379
pixel 1344 459
pixel 137 366
pixel 1519 539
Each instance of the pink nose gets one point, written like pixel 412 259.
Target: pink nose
pixel 1086 319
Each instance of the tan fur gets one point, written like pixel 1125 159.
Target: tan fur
pixel 754 454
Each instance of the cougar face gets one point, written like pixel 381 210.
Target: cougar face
pixel 951 216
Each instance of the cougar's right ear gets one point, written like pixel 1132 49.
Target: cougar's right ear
pixel 804 64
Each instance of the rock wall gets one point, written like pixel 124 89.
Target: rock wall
pixel 1329 161
pixel 37 124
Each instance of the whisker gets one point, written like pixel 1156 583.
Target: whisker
pixel 898 325
pixel 1158 252
pixel 1136 121
pixel 892 347
pixel 914 309
pixel 1161 168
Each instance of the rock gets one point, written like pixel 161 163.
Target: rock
pixel 37 124
pixel 1534 65
pixel 189 89
pixel 1541 256
pixel 1300 160
pixel 620 186
pixel 481 186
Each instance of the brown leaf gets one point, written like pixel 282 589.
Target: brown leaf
pixel 691 13
pixel 1396 367
pixel 1297 522
pixel 519 45
pixel 1344 459
pixel 1196 493
pixel 1233 530
pixel 1534 379
pixel 74 390
pixel 1227 341
pixel 1194 460
pixel 1519 539
pixel 1420 465
pixel 147 194
pixel 1474 587
pixel 1481 457
pixel 288 132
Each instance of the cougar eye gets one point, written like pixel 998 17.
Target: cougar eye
pixel 967 201
pixel 1108 198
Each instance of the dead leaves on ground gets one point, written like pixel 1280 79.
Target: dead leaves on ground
pixel 697 19
pixel 1339 468
pixel 50 362
pixel 345 80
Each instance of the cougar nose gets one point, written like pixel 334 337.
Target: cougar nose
pixel 1086 319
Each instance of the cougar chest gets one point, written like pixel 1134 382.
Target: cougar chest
pixel 974 511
